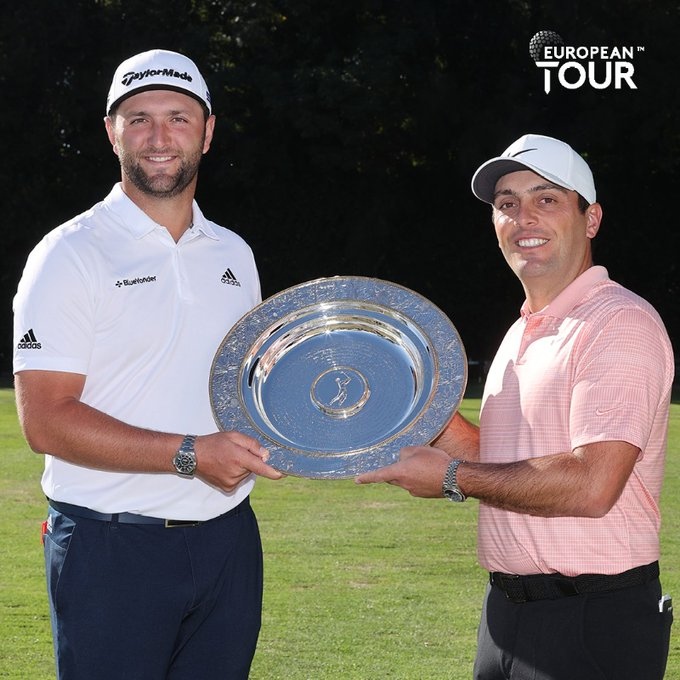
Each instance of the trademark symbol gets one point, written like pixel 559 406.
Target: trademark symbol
pixel 640 48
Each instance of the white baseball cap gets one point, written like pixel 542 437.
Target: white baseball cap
pixel 157 70
pixel 547 157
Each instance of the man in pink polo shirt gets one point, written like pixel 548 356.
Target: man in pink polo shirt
pixel 568 459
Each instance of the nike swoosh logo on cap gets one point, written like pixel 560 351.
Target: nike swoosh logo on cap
pixel 514 155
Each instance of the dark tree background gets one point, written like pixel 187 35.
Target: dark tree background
pixel 348 132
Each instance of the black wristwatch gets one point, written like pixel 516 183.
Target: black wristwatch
pixel 450 488
pixel 185 458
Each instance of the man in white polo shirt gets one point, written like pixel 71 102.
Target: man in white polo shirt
pixel 568 459
pixel 153 557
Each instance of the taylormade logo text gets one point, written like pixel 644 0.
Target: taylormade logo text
pixel 598 66
pixel 132 76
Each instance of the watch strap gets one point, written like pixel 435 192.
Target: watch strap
pixel 450 488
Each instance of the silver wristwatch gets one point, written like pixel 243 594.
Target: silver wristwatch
pixel 185 458
pixel 450 488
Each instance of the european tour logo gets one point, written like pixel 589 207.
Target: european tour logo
pixel 600 67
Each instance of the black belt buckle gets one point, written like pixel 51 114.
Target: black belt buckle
pixel 179 523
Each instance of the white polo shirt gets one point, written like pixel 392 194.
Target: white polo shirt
pixel 110 295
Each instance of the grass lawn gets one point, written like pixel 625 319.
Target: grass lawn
pixel 360 582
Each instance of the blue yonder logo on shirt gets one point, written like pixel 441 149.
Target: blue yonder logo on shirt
pixel 136 281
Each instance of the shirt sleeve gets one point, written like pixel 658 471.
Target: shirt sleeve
pixel 53 311
pixel 622 378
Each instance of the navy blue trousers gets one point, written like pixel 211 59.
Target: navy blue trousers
pixel 145 602
pixel 616 635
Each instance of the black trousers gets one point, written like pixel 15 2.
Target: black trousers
pixel 616 635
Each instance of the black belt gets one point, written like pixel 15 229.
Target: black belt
pixel 130 518
pixel 554 586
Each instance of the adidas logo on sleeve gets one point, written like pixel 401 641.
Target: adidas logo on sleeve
pixel 29 341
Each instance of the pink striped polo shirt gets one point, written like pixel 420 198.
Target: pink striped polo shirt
pixel 595 365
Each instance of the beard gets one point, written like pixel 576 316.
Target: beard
pixel 161 185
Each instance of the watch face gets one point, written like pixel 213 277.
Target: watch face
pixel 454 495
pixel 185 463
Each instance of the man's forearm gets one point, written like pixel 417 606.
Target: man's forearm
pixel 80 434
pixel 460 439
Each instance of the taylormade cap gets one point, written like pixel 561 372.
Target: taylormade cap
pixel 547 157
pixel 157 70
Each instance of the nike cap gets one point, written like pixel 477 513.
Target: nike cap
pixel 157 70
pixel 548 157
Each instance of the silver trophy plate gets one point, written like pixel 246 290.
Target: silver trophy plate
pixel 335 376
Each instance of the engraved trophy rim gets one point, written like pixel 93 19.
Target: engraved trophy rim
pixel 335 375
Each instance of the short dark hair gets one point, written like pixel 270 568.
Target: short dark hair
pixel 582 204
